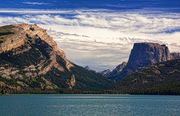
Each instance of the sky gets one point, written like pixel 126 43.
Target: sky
pixel 99 33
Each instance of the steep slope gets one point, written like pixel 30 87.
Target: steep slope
pixel 106 73
pixel 144 55
pixel 115 72
pixel 161 78
pixel 31 60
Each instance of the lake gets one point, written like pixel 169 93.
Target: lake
pixel 89 105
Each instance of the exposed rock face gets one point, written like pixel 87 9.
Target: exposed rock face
pixel 31 37
pixel 106 73
pixel 109 74
pixel 118 69
pixel 30 58
pixel 144 54
pixel 72 82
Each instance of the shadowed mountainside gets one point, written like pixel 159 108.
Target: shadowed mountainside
pixel 30 60
pixel 161 78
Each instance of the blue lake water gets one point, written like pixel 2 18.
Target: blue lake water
pixel 89 105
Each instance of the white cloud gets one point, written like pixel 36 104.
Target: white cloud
pixel 88 36
pixel 35 3
pixel 34 11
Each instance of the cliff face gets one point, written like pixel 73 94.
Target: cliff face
pixel 144 55
pixel 33 44
pixel 116 71
pixel 106 73
pixel 30 59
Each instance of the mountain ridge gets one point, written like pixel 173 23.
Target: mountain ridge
pixel 31 60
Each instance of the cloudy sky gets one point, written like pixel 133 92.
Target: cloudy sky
pixel 99 36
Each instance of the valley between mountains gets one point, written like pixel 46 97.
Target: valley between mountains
pixel 31 62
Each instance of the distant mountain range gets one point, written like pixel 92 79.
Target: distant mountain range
pixel 31 62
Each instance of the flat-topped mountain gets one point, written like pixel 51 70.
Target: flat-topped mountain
pixel 31 60
pixel 144 55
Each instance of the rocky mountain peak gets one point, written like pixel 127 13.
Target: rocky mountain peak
pixel 30 59
pixel 13 36
pixel 144 54
pixel 119 68
pixel 23 38
pixel 106 72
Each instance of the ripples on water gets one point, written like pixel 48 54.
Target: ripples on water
pixel 89 105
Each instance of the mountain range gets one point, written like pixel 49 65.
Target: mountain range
pixel 31 62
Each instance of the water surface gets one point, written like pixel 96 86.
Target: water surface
pixel 89 105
